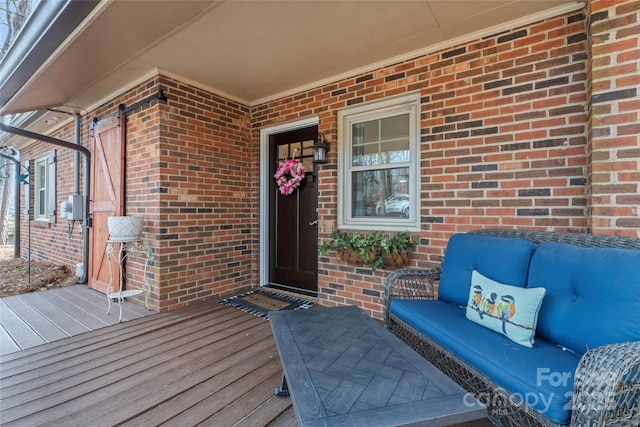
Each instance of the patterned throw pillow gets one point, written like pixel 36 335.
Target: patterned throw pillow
pixel 509 310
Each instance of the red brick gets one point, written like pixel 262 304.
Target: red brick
pixel 195 129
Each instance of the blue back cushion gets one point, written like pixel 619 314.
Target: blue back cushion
pixel 502 259
pixel 593 295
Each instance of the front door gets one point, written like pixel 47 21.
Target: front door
pixel 107 195
pixel 293 229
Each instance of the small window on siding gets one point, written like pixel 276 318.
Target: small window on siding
pixel 44 188
pixel 378 165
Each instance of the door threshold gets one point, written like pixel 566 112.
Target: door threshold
pixel 291 290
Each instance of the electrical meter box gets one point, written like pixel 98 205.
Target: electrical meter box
pixel 73 209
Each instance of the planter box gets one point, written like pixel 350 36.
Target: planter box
pixel 125 228
pixel 391 260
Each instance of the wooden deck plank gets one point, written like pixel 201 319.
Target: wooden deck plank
pixel 130 310
pixel 58 317
pixel 269 411
pixel 7 344
pixel 287 419
pixel 83 316
pixel 81 398
pixel 83 365
pixel 62 350
pixel 86 373
pixel 207 362
pixel 42 326
pixel 236 409
pixel 210 405
pixel 97 335
pixel 191 389
pixel 20 331
pixel 98 311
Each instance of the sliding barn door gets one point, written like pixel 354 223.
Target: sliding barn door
pixel 107 196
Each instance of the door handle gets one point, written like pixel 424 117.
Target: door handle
pixel 313 222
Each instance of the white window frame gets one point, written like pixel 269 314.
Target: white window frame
pixel 39 192
pixel 388 107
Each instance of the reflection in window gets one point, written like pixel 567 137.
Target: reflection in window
pixel 381 193
pixel 381 141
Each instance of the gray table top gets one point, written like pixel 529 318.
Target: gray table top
pixel 343 368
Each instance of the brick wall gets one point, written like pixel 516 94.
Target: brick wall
pixel 62 247
pixel 504 141
pixel 206 221
pixel 51 241
pixel 614 161
pixel 188 172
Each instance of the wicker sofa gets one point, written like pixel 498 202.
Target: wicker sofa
pixel 584 367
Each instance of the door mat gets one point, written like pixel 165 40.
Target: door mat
pixel 260 302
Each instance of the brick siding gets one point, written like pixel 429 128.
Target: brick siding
pixel 504 141
pixel 614 166
pixel 206 221
pixel 533 128
pixel 188 173
pixel 51 241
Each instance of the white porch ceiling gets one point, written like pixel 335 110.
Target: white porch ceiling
pixel 253 51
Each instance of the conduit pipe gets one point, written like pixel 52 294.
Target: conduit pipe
pixel 86 224
pixel 76 155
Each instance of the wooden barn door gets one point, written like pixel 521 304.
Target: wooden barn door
pixel 107 195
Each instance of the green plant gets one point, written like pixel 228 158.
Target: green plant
pixel 373 249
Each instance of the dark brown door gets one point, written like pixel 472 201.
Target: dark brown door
pixel 107 196
pixel 293 229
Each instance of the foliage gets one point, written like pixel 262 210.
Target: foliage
pixel 371 249
pixel 13 15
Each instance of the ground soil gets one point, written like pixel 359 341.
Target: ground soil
pixel 14 277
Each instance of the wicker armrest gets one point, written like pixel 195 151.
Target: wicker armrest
pixel 410 284
pixel 607 386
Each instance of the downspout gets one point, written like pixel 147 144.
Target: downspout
pixel 76 156
pixel 87 162
pixel 16 201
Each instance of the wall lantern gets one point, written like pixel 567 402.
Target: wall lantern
pixel 320 149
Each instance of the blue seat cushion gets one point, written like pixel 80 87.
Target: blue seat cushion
pixel 503 259
pixel 542 376
pixel 593 295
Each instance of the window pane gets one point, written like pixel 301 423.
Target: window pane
pixel 283 152
pixel 381 193
pixel 381 141
pixel 370 131
pixel 42 176
pixel 41 200
pixel 40 188
pixel 308 164
pixel 394 127
pixel 296 150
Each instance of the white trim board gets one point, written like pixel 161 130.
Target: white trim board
pixel 264 187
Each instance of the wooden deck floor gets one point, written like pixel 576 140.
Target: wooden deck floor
pixel 203 365
pixel 36 318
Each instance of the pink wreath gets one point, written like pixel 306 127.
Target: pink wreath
pixel 289 175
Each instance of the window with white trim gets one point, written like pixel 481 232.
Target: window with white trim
pixel 378 165
pixel 44 187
